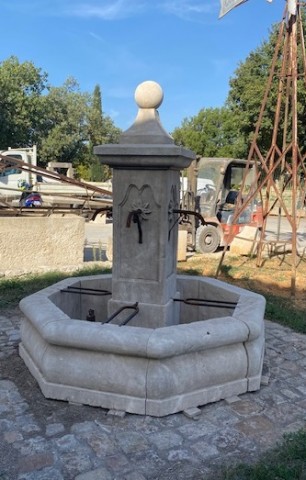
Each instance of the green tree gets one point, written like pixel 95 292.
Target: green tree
pixel 64 122
pixel 21 108
pixel 95 123
pixel 246 93
pixel 228 131
pixel 64 129
pixel 211 133
pixel 101 129
pixel 247 89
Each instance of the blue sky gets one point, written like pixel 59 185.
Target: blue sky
pixel 118 44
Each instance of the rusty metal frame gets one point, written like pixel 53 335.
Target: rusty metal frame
pixel 86 291
pixel 52 175
pixel 289 35
pixel 6 162
pixel 204 302
pixel 133 307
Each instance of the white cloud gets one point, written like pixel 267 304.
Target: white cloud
pixel 118 9
pixel 188 9
pixel 103 9
pixel 110 10
pixel 113 113
pixel 96 37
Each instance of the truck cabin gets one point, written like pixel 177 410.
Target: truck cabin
pixel 11 173
pixel 219 181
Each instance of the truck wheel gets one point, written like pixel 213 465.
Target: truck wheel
pixel 208 239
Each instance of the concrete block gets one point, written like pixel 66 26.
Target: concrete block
pixel 116 413
pixel 37 244
pixel 265 380
pixel 193 413
pixel 182 246
pixel 233 399
pixel 243 243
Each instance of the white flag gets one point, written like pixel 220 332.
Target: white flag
pixel 227 5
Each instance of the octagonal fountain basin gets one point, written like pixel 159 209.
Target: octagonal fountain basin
pixel 211 353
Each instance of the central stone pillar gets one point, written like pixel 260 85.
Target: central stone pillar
pixel 146 192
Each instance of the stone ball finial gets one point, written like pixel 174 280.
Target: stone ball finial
pixel 149 94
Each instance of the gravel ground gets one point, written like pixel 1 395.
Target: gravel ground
pixel 43 439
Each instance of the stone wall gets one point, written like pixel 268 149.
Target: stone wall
pixel 38 244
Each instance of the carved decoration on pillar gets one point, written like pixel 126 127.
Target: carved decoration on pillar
pixel 173 205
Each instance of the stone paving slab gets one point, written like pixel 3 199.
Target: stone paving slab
pixel 44 439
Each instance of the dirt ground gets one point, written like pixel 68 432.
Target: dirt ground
pixel 275 275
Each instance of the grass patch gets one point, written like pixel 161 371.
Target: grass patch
pixel 12 290
pixel 287 461
pixel 272 280
pixel 283 311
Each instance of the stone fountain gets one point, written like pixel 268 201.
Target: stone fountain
pixel 144 339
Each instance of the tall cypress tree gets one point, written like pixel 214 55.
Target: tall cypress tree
pixel 96 118
pixel 101 129
pixel 95 131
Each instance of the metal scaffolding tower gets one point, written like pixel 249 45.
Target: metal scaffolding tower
pixel 280 172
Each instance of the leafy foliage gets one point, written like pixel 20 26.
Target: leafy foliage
pixel 247 89
pixel 228 131
pixel 64 131
pixel 21 106
pixel 95 124
pixel 211 133
pixel 64 122
pixel 100 130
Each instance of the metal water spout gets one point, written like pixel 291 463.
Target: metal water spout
pixel 146 182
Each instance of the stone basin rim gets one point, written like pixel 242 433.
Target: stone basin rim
pixel 57 328
pixel 140 370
